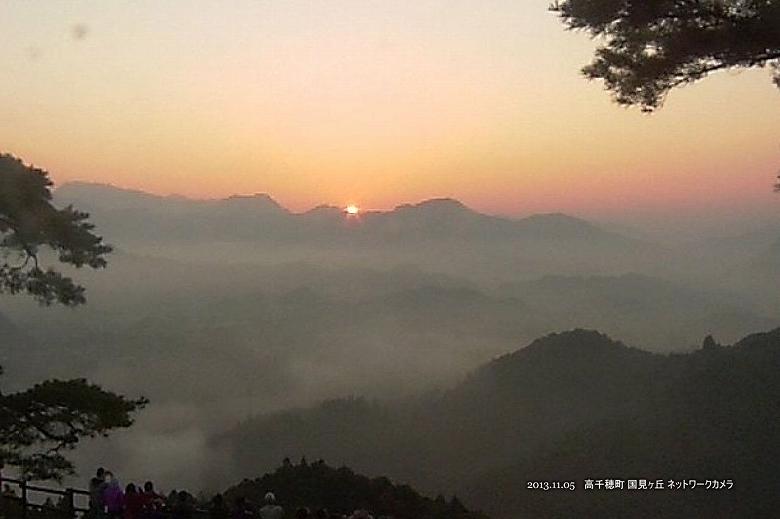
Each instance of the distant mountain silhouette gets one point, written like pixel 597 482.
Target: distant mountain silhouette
pixel 443 206
pixel 91 196
pixel 422 233
pixel 570 406
pixel 445 217
pixel 258 201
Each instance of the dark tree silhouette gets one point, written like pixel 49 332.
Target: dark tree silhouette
pixel 653 46
pixel 319 485
pixel 39 424
pixel 29 223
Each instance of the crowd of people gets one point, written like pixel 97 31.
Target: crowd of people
pixel 108 500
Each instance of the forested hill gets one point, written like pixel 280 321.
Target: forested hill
pixel 570 406
pixel 708 415
pixel 341 490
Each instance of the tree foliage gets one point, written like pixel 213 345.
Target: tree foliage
pixel 319 485
pixel 29 224
pixel 39 424
pixel 652 46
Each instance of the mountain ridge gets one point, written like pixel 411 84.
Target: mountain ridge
pixel 136 216
pixel 88 193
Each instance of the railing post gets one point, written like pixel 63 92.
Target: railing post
pixel 23 487
pixel 69 504
pixel 3 499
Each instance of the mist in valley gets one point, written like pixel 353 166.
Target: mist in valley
pixel 224 312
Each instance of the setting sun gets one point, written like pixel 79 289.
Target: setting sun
pixel 352 210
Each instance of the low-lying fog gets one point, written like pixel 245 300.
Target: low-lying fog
pixel 224 310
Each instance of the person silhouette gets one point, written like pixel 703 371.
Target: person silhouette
pixel 241 509
pixel 97 485
pixel 113 497
pixel 217 508
pixel 271 510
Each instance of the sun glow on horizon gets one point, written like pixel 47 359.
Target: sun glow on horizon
pixel 484 104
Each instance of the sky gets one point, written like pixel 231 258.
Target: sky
pixel 370 102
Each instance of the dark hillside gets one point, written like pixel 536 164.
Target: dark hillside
pixel 569 407
pixel 341 490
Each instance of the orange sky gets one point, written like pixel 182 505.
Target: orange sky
pixel 371 102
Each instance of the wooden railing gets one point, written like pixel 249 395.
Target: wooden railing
pixel 65 501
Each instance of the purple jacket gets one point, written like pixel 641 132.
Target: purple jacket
pixel 114 497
